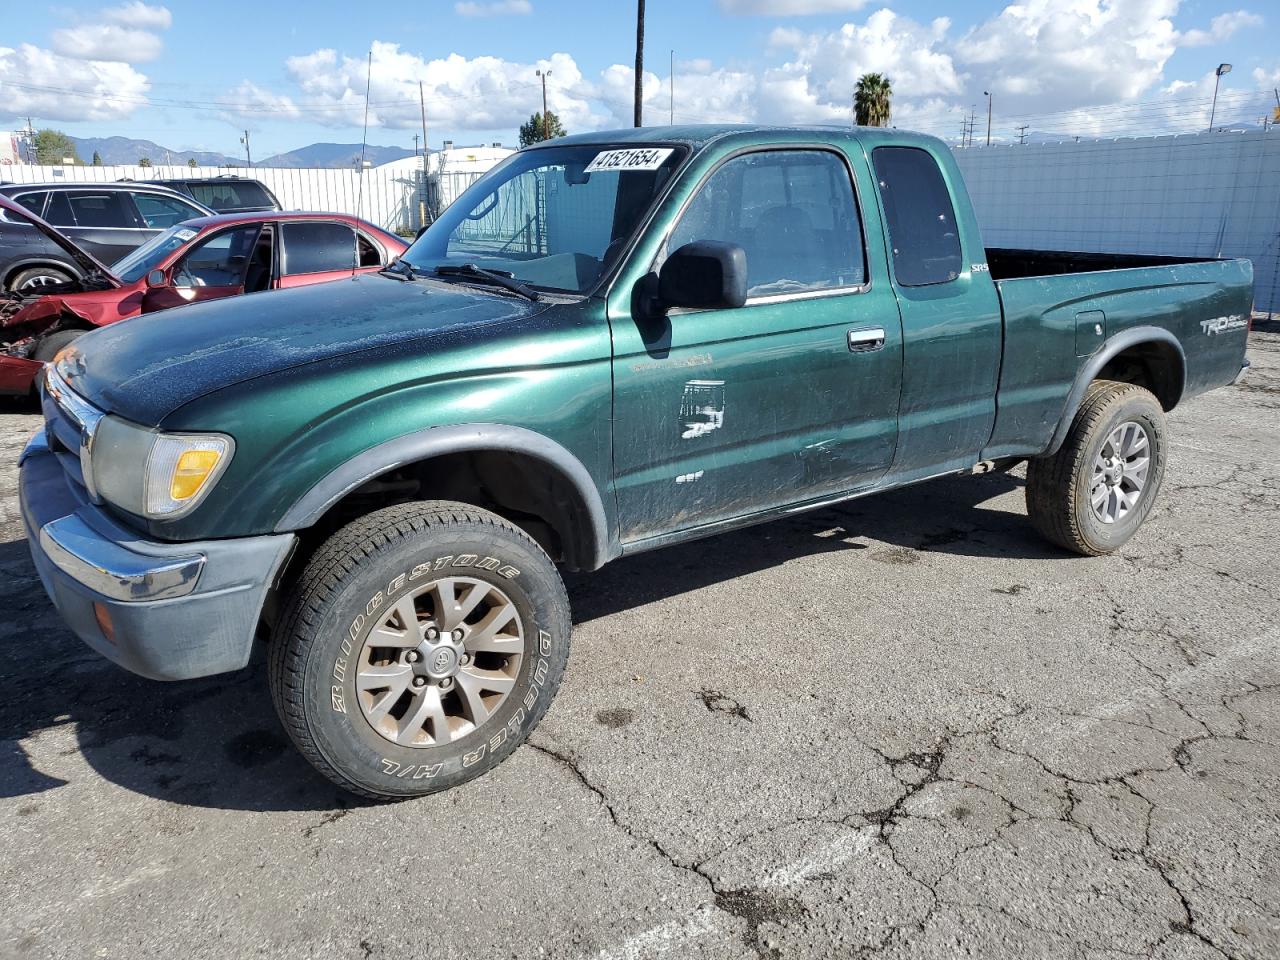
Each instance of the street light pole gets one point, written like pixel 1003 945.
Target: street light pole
pixel 1217 79
pixel 544 74
pixel 245 140
pixel 987 94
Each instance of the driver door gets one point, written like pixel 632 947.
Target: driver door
pixel 212 269
pixel 724 413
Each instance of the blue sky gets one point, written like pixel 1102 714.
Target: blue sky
pixel 193 75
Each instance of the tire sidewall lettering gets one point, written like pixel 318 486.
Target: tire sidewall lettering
pixel 340 689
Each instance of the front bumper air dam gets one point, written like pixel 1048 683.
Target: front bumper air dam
pixel 177 610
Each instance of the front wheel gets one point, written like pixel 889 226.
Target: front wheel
pixel 420 646
pixel 1094 493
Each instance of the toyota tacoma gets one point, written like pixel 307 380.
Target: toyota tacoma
pixel 610 343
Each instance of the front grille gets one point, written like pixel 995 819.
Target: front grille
pixel 69 420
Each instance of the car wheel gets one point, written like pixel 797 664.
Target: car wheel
pixel 33 279
pixel 1094 493
pixel 419 647
pixel 48 348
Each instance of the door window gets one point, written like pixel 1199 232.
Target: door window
pixel 220 261
pixel 160 212
pixel 107 208
pixel 792 211
pixel 59 211
pixel 315 246
pixel 920 215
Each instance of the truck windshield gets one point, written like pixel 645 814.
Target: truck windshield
pixel 554 218
pixel 138 263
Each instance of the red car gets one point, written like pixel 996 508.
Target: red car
pixel 202 259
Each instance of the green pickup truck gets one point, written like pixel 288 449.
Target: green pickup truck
pixel 610 343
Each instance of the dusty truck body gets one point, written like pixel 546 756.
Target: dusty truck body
pixel 610 343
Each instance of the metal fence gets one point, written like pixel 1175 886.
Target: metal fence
pixel 395 198
pixel 1201 195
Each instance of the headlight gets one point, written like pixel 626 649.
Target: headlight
pixel 160 476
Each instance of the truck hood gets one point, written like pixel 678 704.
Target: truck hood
pixel 151 365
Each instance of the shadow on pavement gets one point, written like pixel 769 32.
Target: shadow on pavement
pixel 942 516
pixel 217 742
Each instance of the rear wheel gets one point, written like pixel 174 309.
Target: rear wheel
pixel 34 279
pixel 1094 493
pixel 420 646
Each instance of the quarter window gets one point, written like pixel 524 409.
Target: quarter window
pixel 316 246
pixel 792 211
pixel 32 201
pixel 921 217
pixel 160 212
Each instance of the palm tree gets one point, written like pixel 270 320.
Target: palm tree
pixel 871 100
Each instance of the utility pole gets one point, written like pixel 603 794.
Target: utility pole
pixel 423 218
pixel 544 74
pixel 1022 134
pixel 987 93
pixel 639 63
pixel 672 118
pixel 248 159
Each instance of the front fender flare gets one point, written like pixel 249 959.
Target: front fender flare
pixel 1133 337
pixel 593 544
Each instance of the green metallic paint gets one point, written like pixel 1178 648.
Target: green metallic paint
pixel 307 380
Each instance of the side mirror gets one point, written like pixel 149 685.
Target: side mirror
pixel 156 278
pixel 708 274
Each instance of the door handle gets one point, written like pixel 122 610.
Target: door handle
pixel 866 340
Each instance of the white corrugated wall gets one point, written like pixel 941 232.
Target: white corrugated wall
pixel 1205 195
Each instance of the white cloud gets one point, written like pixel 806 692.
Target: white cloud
pixel 818 79
pixel 98 89
pixel 480 93
pixel 496 8
pixel 1051 55
pixel 107 41
pixel 88 74
pixel 1221 28
pixel 1266 79
pixel 1059 63
pixel 139 15
pixel 789 8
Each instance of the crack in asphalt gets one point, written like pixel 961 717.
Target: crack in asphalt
pixel 917 771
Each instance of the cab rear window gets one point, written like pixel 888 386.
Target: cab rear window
pixel 921 217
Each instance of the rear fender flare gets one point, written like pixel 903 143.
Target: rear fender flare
pixel 1133 337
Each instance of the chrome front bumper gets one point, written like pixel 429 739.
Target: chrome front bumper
pixel 163 610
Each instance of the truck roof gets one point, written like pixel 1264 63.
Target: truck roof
pixel 700 135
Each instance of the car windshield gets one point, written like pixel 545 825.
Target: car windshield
pixel 554 218
pixel 141 261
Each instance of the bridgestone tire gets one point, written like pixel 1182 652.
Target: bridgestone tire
pixel 352 583
pixel 1058 487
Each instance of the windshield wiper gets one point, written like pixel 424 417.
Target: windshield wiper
pixel 499 278
pixel 394 270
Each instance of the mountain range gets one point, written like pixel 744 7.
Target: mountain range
pixel 124 150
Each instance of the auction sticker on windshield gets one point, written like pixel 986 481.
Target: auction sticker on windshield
pixel 648 158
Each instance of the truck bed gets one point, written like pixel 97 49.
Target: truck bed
pixel 1060 308
pixel 1009 264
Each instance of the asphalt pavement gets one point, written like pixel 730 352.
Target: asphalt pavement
pixel 903 727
